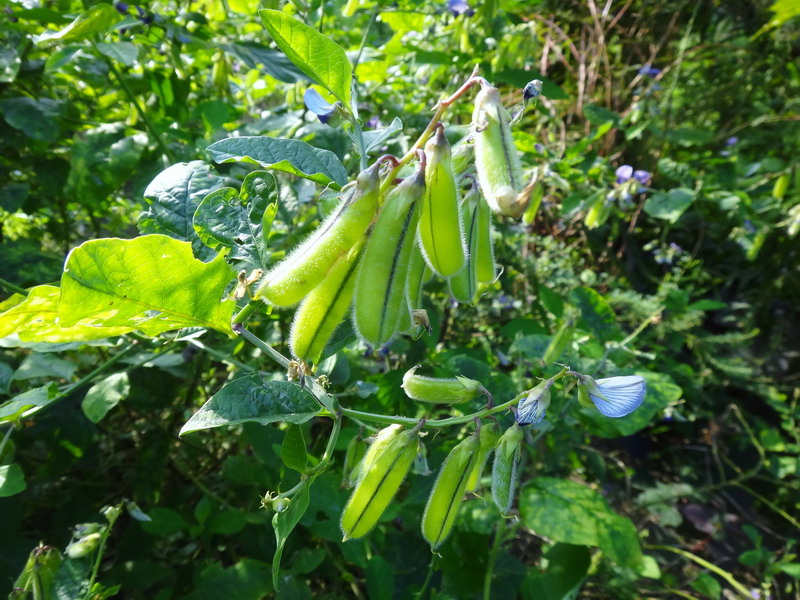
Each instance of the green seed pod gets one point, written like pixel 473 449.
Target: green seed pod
pixel 380 296
pixel 353 458
pixel 462 155
pixel 325 307
pixel 484 253
pixel 489 436
pixel 440 233
pixel 441 391
pixel 559 342
pixel 504 469
pixel 780 186
pixel 39 574
pixel 309 263
pixel 496 158
pixel 383 469
pixel 448 491
pixel 418 274
pixel 480 268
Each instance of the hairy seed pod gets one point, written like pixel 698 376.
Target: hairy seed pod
pixel 448 491
pixel 440 233
pixel 496 158
pixel 489 435
pixel 441 391
pixel 480 267
pixel 418 274
pixel 380 296
pixel 309 263
pixel 504 469
pixel 383 469
pixel 486 269
pixel 353 459
pixel 325 307
pixel 462 155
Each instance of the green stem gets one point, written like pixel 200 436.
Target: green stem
pixel 100 549
pixel 427 581
pixel 366 34
pixel 247 311
pixel 707 565
pixel 99 369
pixel 139 110
pixel 13 288
pixel 498 540
pixel 5 439
pixel 328 454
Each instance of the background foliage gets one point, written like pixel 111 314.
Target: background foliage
pixel 690 279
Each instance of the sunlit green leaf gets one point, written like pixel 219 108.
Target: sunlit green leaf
pixel 152 283
pixel 105 395
pixel 315 54
pixel 12 480
pixel 97 19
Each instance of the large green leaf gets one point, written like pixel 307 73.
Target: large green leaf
pixel 275 63
pixel 252 399
pixel 247 579
pixel 12 480
pixel 596 313
pixel 35 319
pixel 152 283
pixel 39 119
pixel 173 197
pixel 291 156
pixel 240 220
pixel 316 55
pixel 669 206
pixel 661 391
pixel 567 566
pixel 28 403
pixel 97 19
pixel 105 395
pixel 293 449
pixel 566 511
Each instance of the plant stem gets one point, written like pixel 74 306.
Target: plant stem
pixel 247 310
pixel 101 547
pixel 707 565
pixel 139 110
pixel 498 540
pixel 5 439
pixel 13 288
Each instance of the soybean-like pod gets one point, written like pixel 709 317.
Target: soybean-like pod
pixel 441 391
pixel 489 435
pixel 324 308
pixel 383 469
pixel 353 458
pixel 309 263
pixel 448 491
pixel 496 158
pixel 504 469
pixel 480 267
pixel 418 274
pixel 440 230
pixel 380 296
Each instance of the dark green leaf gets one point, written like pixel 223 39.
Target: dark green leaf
pixel 273 62
pixel 38 119
pixel 567 566
pixel 670 205
pixel 124 52
pixel 246 580
pixel 253 399
pixel 293 449
pixel 566 511
pixel 105 395
pixel 380 579
pixel 284 523
pixel 292 156
pixel 598 115
pixel 38 365
pixel 316 55
pixel 173 197
pixel 240 221
pixel 596 313
pixel 28 403
pixel 12 480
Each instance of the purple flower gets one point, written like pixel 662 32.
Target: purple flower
pixel 649 71
pixel 641 176
pixel 731 141
pixel 533 89
pixel 373 122
pixel 122 7
pixel 459 7
pixel 317 104
pixel 624 173
pixel 539 148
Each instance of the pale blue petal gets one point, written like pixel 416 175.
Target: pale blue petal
pixel 532 409
pixel 623 395
pixel 316 103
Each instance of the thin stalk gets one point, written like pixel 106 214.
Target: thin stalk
pixel 5 439
pixel 139 110
pixel 13 288
pixel 427 581
pixel 706 565
pixel 498 540
pixel 100 549
pixel 247 311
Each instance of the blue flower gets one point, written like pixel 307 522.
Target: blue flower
pixel 533 89
pixel 122 7
pixel 459 7
pixel 533 407
pixel 624 173
pixel 641 176
pixel 732 140
pixel 649 71
pixel 317 104
pixel 373 122
pixel 616 396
